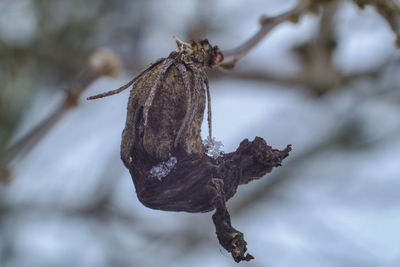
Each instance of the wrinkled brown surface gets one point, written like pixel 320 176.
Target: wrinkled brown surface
pixel 165 117
pixel 197 183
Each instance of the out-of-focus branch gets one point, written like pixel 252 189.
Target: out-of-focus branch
pixel 389 9
pixel 317 71
pixel 297 80
pixel 267 24
pixel 101 63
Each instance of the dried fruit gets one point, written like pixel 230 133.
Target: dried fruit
pixel 162 147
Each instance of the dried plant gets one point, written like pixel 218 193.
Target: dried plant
pixel 161 144
pixel 162 147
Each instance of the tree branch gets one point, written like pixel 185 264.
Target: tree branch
pixel 267 24
pixel 387 8
pixel 101 63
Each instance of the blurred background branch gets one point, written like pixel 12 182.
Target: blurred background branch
pixel 267 24
pixel 101 63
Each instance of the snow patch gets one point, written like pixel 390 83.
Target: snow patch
pixel 213 147
pixel 164 168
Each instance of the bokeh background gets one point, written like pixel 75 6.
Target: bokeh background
pixel 328 85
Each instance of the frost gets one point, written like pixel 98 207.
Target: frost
pixel 164 168
pixel 213 147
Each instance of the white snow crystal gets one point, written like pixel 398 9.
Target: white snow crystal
pixel 164 168
pixel 213 147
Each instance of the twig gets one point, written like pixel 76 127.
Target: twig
pixel 101 63
pixel 297 80
pixel 267 24
pixel 317 72
pixel 387 8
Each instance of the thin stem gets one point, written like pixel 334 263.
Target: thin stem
pixel 112 92
pixel 126 86
pixel 209 119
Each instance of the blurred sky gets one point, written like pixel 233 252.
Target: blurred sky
pixel 334 202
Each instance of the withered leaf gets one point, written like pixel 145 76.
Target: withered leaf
pixel 165 113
